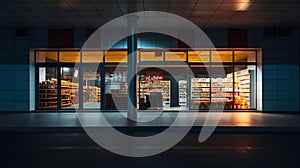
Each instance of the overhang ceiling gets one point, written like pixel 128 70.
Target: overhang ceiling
pixel 94 13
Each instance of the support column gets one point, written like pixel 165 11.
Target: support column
pixel 132 67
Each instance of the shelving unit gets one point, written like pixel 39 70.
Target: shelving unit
pixel 47 95
pixel 75 93
pixel 65 94
pixel 182 92
pixel 222 92
pixel 200 93
pixel 242 89
pixel 156 86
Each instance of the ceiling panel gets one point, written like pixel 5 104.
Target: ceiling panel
pixel 224 14
pixel 280 6
pixel 182 13
pixel 177 6
pixel 219 13
pixel 258 6
pixel 106 6
pixel 82 6
pixel 202 13
pixel 207 6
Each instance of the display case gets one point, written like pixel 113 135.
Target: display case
pixel 182 91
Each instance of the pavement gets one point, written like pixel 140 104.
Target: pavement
pixel 228 121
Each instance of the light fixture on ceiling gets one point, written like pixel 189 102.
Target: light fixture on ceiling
pixel 242 5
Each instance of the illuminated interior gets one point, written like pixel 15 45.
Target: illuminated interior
pixel 92 56
pixel 199 89
pixel 69 56
pixel 116 56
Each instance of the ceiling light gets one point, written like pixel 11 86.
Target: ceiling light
pixel 242 5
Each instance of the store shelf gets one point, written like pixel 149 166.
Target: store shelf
pixel 156 86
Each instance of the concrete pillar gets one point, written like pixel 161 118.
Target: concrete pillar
pixel 132 67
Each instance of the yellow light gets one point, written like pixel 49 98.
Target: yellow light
pixel 242 5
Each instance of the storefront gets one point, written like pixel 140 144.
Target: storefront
pixel 169 79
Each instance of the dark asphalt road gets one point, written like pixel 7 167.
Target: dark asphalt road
pixel 220 150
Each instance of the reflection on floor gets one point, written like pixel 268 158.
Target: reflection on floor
pixel 85 106
pixel 98 104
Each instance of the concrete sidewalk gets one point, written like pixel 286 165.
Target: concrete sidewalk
pixel 229 121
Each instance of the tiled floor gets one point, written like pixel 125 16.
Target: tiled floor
pixel 272 122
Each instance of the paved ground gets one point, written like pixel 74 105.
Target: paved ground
pixel 240 140
pixel 220 150
pixel 229 121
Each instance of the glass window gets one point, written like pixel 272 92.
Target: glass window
pixel 116 56
pixel 221 86
pixel 47 88
pixel 244 96
pixel 69 56
pixel 46 56
pixel 199 56
pixel 69 87
pixel 175 56
pixel 244 56
pixel 200 88
pixel 116 87
pixel 92 56
pixel 221 56
pixel 91 88
pixel 151 56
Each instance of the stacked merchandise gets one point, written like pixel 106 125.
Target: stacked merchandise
pixel 242 89
pixel 182 92
pixel 221 92
pixel 48 94
pixel 146 87
pixel 200 93
pixel 65 93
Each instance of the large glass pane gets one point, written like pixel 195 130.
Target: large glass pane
pixel 199 56
pixel 200 88
pixel 175 56
pixel 69 87
pixel 151 56
pixel 91 88
pixel 245 95
pixel 221 86
pixel 116 87
pixel 46 56
pixel 221 56
pixel 69 56
pixel 155 87
pixel 245 56
pixel 47 88
pixel 116 56
pixel 92 56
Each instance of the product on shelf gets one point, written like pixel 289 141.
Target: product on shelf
pixel 182 92
pixel 65 95
pixel 48 94
pixel 146 87
pixel 200 93
pixel 241 89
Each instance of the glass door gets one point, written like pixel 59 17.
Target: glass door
pixel 91 87
pixel 116 87
pixel 69 87
pixel 47 88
